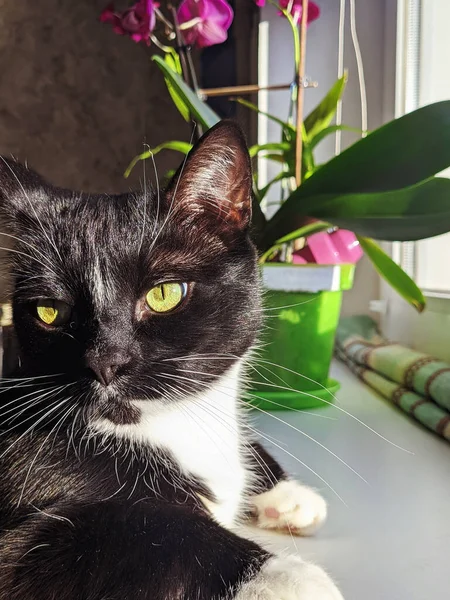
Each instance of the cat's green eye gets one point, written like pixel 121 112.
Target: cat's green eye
pixel 53 312
pixel 165 297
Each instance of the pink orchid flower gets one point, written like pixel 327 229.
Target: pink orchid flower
pixel 297 9
pixel 205 22
pixel 137 22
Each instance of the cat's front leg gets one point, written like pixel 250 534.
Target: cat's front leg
pixel 283 503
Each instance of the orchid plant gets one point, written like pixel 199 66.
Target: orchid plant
pixel 384 186
pixel 202 22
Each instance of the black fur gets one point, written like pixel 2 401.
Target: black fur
pixel 82 518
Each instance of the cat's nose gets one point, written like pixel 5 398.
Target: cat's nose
pixel 105 368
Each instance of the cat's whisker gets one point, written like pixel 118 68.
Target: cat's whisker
pixel 31 378
pixel 291 456
pixel 227 424
pixel 71 437
pixel 33 426
pixel 52 430
pixel 14 251
pixel 191 391
pixel 21 398
pixel 342 461
pixel 172 202
pixel 158 194
pixel 37 412
pixel 331 404
pixel 310 469
pixel 30 404
pixel 52 242
pixel 270 308
pixel 292 427
pixel 246 444
pixel 302 411
pixel 46 258
pixel 291 389
pixel 21 386
pixel 144 219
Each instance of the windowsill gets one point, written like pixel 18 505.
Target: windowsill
pixel 438 301
pixel 387 526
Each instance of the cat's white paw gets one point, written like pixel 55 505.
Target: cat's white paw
pixel 290 507
pixel 289 578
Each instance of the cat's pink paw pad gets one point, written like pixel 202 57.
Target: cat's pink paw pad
pixel 290 507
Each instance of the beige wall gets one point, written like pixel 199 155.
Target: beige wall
pixel 77 101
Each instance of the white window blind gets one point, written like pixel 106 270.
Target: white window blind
pixel 424 77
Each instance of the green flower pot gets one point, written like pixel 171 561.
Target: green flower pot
pixel 302 305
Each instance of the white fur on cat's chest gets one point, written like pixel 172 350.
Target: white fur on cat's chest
pixel 201 434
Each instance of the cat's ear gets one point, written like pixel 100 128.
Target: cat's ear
pixel 16 182
pixel 20 195
pixel 18 187
pixel 215 180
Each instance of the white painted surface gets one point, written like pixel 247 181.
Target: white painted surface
pixel 391 540
pixel 433 255
pixel 429 331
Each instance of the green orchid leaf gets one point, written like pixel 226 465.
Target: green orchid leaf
pixel 304 231
pixel 386 180
pixel 183 147
pixel 257 148
pixel 412 213
pixel 286 126
pixel 261 193
pixel 401 153
pixel 393 274
pixel 279 158
pixel 168 176
pixel 258 221
pixel 324 113
pixel 308 166
pixel 199 110
pixel 173 61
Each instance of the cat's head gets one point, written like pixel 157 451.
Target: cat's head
pixel 148 295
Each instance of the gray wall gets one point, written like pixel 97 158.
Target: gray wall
pixel 77 101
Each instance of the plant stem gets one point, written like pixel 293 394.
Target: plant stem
pixel 163 19
pixel 192 71
pixel 187 66
pixel 295 90
pixel 248 89
pixel 180 45
pixel 160 45
pixel 300 75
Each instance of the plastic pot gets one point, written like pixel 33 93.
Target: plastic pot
pixel 302 306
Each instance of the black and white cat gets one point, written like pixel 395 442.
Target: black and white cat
pixel 125 461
